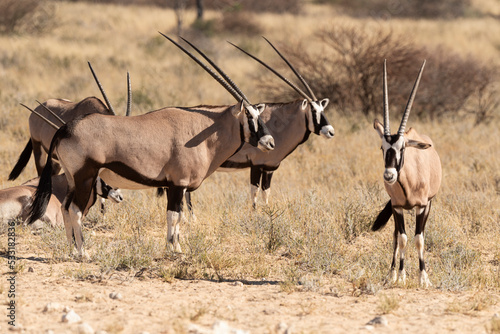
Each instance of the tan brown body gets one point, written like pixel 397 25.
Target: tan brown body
pixel 420 178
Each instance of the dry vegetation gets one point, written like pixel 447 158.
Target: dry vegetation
pixel 324 196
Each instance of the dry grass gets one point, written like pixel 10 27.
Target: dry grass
pixel 324 196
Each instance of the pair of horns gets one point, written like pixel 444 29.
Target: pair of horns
pixel 52 124
pixel 402 126
pixel 129 92
pixel 310 98
pixel 223 79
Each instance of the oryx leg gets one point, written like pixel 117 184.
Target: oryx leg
pixel 174 206
pixel 421 220
pixel 399 246
pixel 255 177
pixel 102 206
pixel 74 208
pixel 187 197
pixel 266 185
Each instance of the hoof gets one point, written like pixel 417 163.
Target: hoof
pixel 391 278
pixel 424 280
pixel 402 277
pixel 174 247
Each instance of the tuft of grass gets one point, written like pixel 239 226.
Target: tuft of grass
pixel 478 302
pixel 388 303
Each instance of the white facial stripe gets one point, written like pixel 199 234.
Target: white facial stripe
pixel 397 146
pixel 318 109
pixel 253 112
pixel 255 124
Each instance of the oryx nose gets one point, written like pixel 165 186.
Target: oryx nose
pixel 390 175
pixel 266 143
pixel 328 131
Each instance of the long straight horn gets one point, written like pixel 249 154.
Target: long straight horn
pixel 129 95
pixel 102 90
pixel 206 68
pixel 41 116
pixel 53 113
pixel 387 128
pixel 224 75
pixel 293 69
pixel 402 127
pixel 297 89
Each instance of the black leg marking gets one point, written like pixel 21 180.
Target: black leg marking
pixel 266 180
pixel 421 264
pixel 174 197
pixel 255 176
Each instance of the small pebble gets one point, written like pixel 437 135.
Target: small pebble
pixel 85 328
pixel 50 307
pixel 71 317
pixel 115 295
pixel 381 320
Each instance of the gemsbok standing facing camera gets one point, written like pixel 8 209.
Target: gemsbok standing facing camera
pixel 412 178
pixel 173 147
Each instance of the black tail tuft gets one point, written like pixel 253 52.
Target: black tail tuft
pixel 44 189
pixel 383 217
pixel 23 160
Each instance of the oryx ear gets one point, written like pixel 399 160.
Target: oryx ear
pixel 324 103
pixel 378 127
pixel 417 144
pixel 260 108
pixel 304 104
pixel 237 109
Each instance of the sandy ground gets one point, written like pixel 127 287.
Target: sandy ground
pixel 151 305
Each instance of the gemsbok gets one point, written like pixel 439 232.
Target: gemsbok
pixel 15 201
pixel 173 147
pixel 290 124
pixel 41 132
pixel 412 178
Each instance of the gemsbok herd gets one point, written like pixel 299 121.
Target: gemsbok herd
pixel 174 149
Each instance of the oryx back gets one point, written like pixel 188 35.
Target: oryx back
pixel 181 155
